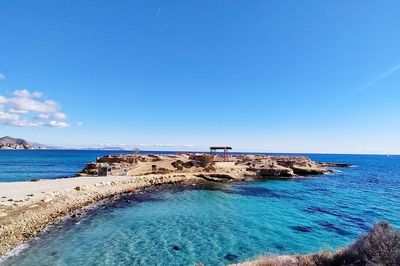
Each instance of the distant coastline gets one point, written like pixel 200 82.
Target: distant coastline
pixel 12 143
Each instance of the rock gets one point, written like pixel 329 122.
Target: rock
pixel 304 171
pixel 275 171
pixel 176 247
pixel 207 166
pixel 336 164
pixel 303 229
pixel 231 256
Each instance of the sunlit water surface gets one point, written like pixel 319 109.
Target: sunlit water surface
pixel 222 224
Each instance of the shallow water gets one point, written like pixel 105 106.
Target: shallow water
pixel 221 224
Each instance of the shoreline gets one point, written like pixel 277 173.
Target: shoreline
pixel 109 202
pixel 28 218
pixel 27 208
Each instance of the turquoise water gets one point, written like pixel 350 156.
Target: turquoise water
pixel 222 224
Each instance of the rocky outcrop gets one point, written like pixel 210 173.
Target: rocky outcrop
pixel 335 164
pixel 273 171
pixel 236 166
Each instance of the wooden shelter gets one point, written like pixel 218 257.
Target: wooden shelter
pixel 214 149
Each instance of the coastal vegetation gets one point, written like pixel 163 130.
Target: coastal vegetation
pixel 380 246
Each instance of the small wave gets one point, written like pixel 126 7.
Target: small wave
pixel 14 252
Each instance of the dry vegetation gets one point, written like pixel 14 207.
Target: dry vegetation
pixel 381 246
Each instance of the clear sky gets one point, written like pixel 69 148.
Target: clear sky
pixel 278 76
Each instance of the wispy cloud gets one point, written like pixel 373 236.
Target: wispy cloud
pixel 31 109
pixel 379 78
pixel 2 76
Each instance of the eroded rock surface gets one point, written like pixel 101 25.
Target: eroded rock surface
pixel 234 166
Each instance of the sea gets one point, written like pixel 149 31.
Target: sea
pixel 213 224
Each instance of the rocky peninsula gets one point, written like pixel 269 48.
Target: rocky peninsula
pixel 210 167
pixel 26 208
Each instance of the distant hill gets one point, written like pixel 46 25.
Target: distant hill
pixel 10 143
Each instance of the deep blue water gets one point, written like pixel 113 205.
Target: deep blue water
pixel 226 223
pixel 20 165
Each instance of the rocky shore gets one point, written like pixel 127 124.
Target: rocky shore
pixel 26 208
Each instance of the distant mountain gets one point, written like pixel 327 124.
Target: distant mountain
pixel 10 143
pixel 47 147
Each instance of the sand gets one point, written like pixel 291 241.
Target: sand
pixel 39 189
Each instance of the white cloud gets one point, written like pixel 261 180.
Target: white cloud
pixel 8 117
pixel 26 94
pixel 16 111
pixel 30 109
pixel 16 120
pixel 79 123
pixel 29 104
pixel 54 123
pixel 3 100
pixel 59 116
pixel 2 76
pixel 43 116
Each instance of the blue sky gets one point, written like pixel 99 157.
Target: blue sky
pixel 279 76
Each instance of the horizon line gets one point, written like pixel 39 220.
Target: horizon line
pixel 200 151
